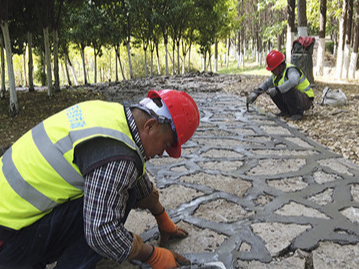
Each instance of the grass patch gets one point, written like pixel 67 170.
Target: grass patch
pixel 250 68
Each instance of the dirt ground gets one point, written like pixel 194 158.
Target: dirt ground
pixel 334 127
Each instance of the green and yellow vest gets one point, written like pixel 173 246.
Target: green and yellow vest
pixel 38 173
pixel 304 84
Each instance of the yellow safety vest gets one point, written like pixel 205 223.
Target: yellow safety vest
pixel 38 173
pixel 304 84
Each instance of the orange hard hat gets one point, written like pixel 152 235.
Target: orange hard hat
pixel 184 115
pixel 274 59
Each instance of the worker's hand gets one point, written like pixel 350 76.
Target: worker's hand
pixel 251 98
pixel 162 258
pixel 168 229
pixel 272 91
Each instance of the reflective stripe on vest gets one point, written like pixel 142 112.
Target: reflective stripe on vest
pixel 304 84
pixel 38 172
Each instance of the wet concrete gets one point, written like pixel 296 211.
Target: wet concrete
pixel 254 192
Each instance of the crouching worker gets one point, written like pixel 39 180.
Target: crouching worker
pixel 68 185
pixel 288 87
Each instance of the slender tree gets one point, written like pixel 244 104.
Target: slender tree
pixel 290 28
pixel 321 46
pixel 348 38
pixel 354 55
pixel 2 68
pixel 341 43
pixel 302 18
pixel 4 14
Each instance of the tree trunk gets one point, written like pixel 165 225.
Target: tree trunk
pixel 173 59
pixel 216 56
pixel 120 62
pixel 152 47
pixel 158 61
pixel 340 53
pixel 72 71
pixel 204 62
pixel 116 64
pixel 321 46
pixel 129 59
pixel 166 58
pixel 95 67
pixel 14 109
pixel 227 53
pixel 302 18
pixel 48 61
pixel 30 63
pixel 146 71
pixel 82 52
pixel 348 36
pixel 178 57
pixel 67 70
pixel 189 57
pixel 56 60
pixel 354 56
pixel 3 87
pixel 24 84
pixel 238 50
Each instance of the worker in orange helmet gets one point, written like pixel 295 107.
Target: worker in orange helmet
pixel 68 185
pixel 288 87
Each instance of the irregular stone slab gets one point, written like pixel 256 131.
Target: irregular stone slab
pixel 354 190
pixel 295 209
pixel 222 211
pixel 275 130
pixel 288 184
pixel 147 221
pixel 165 160
pixel 224 166
pixel 199 240
pixel 174 195
pixel 330 255
pixel 263 199
pixel 283 153
pixel 221 153
pixel 227 184
pixel 293 262
pixel 277 166
pixel 216 142
pixel 321 177
pixel 352 213
pixel 335 165
pixel 299 142
pixel 278 236
pixel 323 198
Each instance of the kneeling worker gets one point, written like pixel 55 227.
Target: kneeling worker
pixel 288 87
pixel 68 185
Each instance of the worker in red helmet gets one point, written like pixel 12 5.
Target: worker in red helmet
pixel 68 185
pixel 288 87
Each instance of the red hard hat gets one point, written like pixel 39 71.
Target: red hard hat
pixel 184 113
pixel 274 59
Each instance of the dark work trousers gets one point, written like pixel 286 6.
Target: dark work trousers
pixel 293 102
pixel 58 236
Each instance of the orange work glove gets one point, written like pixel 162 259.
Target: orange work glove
pixel 168 229
pixel 162 258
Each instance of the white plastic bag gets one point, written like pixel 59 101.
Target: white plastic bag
pixel 333 97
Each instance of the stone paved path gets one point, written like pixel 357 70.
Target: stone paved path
pixel 255 192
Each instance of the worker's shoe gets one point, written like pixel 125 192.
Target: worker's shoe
pixel 296 117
